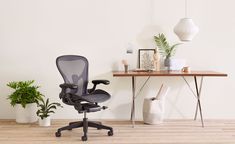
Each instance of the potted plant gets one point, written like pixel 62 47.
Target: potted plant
pixel 165 49
pixel 24 99
pixel 44 111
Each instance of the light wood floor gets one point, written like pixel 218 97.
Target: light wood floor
pixel 170 132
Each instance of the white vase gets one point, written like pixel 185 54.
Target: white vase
pixel 174 64
pixel 45 122
pixel 27 114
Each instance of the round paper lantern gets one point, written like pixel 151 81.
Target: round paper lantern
pixel 186 29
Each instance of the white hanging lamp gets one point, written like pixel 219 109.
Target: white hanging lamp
pixel 185 28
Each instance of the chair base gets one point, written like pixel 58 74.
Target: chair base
pixel 85 124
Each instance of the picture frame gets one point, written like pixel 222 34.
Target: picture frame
pixel 146 59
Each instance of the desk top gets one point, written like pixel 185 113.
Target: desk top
pixel 168 73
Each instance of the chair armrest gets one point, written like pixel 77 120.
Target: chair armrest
pixel 70 97
pixel 96 82
pixel 106 82
pixel 65 86
pixel 71 86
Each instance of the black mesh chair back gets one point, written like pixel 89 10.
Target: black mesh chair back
pixel 74 70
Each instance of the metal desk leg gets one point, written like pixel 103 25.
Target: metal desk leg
pixel 133 102
pixel 200 89
pixel 198 99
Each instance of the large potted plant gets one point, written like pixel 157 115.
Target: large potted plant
pixel 24 99
pixel 44 111
pixel 166 50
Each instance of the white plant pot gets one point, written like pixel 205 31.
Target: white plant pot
pixel 27 114
pixel 45 122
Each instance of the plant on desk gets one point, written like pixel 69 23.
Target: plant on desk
pixel 44 111
pixel 165 49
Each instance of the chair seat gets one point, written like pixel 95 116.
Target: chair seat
pixel 88 107
pixel 97 96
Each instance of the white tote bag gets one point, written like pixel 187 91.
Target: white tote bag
pixel 153 111
pixel 153 108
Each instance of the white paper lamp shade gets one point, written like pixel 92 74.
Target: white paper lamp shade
pixel 186 29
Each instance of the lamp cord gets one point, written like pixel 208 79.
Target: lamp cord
pixel 186 3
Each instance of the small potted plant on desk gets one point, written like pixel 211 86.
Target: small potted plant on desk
pixel 167 51
pixel 44 111
pixel 24 99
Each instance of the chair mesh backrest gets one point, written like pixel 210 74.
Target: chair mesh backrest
pixel 74 70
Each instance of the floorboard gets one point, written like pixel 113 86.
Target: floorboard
pixel 169 132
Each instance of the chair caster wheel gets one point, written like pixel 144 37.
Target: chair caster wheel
pixel 110 133
pixel 84 138
pixel 58 134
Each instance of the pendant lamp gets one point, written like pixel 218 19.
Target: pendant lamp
pixel 185 28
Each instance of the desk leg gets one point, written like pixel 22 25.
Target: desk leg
pixel 133 102
pixel 198 99
pixel 195 117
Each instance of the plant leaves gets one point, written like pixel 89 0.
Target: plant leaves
pixel 164 47
pixel 24 93
pixel 46 108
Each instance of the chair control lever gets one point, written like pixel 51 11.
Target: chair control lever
pixel 104 107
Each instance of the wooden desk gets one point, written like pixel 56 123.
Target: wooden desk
pixel 195 74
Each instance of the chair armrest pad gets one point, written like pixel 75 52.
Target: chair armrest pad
pixel 71 86
pixel 106 82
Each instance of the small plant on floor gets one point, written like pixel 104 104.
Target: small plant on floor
pixel 46 108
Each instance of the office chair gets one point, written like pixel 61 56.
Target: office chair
pixel 74 70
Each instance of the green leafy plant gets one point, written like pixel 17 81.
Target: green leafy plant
pixel 164 47
pixel 46 108
pixel 25 93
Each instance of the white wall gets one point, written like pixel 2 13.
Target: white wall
pixel 34 32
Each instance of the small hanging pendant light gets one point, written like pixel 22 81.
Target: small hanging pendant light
pixel 186 29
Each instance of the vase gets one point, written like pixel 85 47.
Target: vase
pixel 174 64
pixel 167 63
